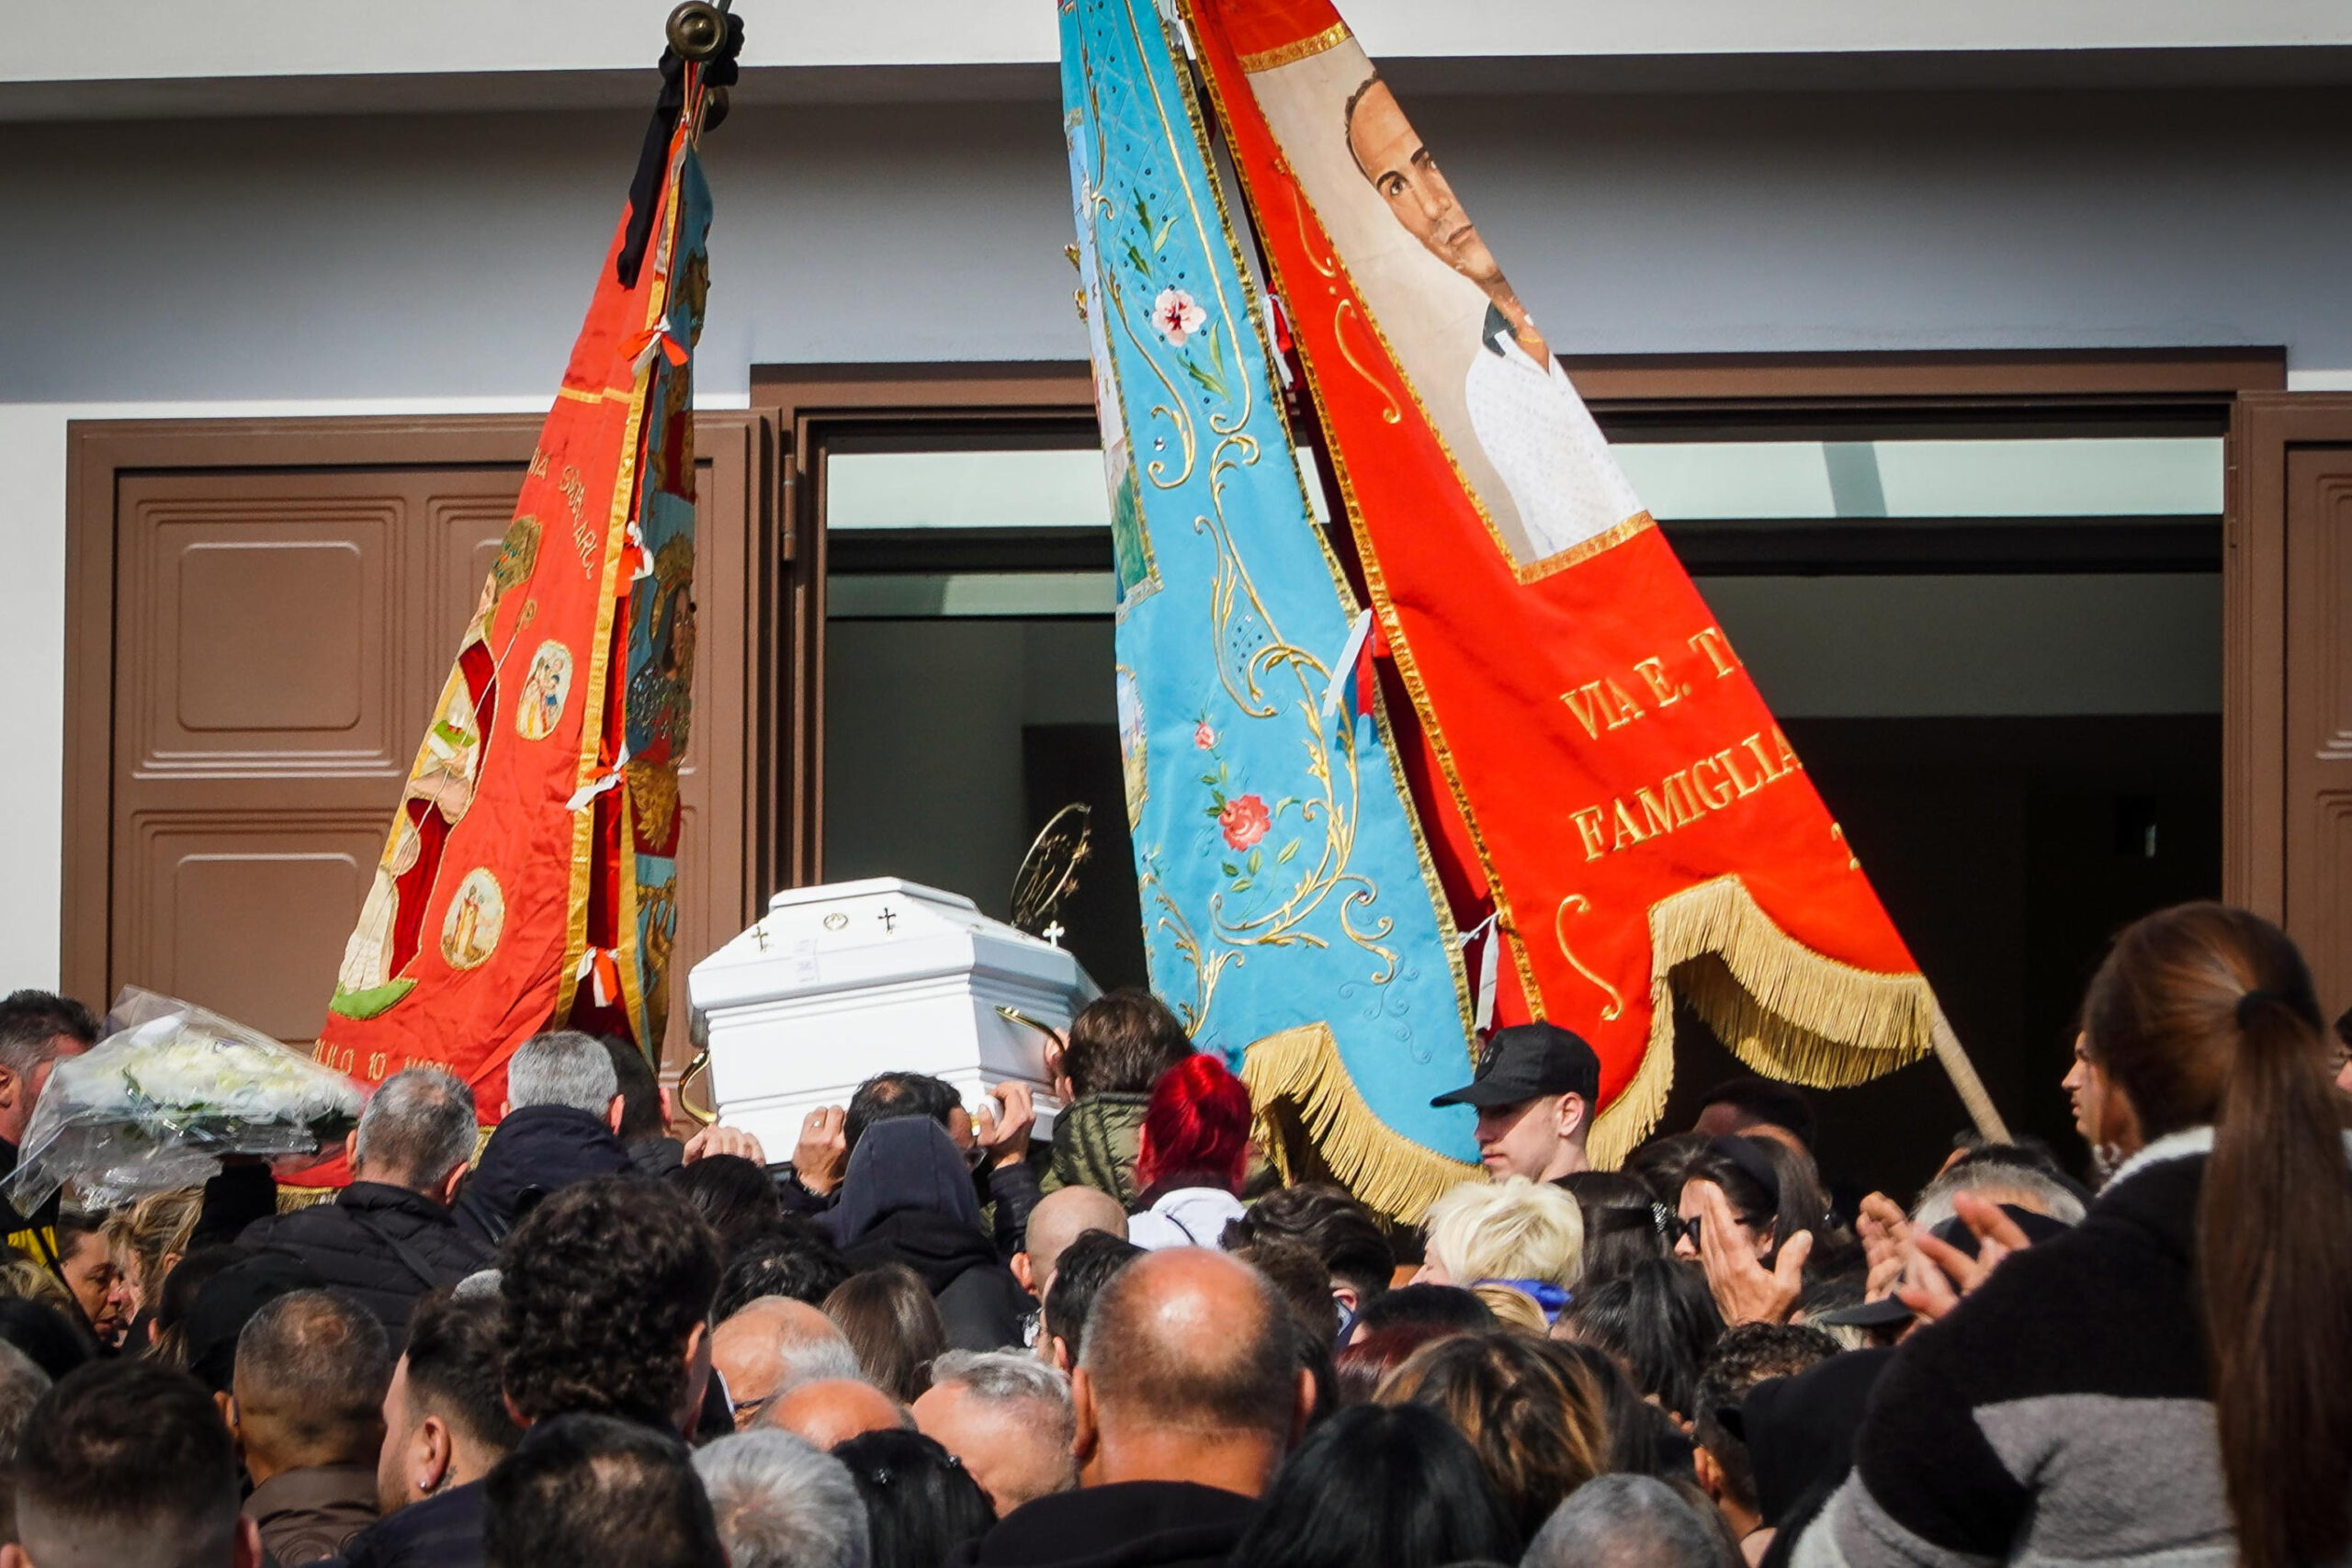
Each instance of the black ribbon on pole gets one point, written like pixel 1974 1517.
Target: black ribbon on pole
pixel 644 191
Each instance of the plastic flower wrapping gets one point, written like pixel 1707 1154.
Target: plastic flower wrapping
pixel 168 1090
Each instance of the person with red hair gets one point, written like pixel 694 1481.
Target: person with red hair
pixel 1193 1156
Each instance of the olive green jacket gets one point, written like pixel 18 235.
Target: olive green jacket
pixel 1095 1144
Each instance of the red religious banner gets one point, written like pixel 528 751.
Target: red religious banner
pixel 1602 771
pixel 529 875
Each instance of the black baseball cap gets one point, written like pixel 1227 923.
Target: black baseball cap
pixel 1528 1061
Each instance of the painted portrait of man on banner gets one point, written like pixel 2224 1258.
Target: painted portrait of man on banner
pixel 1525 442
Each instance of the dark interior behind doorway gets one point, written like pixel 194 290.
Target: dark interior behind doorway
pixel 2007 851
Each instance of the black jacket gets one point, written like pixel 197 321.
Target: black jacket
pixel 537 1150
pixel 385 1245
pixel 442 1531
pixel 657 1157
pixel 908 1198
pixel 1134 1524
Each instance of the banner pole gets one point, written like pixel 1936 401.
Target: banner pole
pixel 1962 1073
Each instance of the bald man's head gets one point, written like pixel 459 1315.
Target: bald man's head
pixel 832 1412
pixel 773 1345
pixel 1061 1218
pixel 1189 1338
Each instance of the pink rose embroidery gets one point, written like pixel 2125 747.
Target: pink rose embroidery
pixel 1176 316
pixel 1202 736
pixel 1245 821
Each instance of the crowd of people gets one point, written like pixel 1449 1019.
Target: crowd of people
pixel 929 1339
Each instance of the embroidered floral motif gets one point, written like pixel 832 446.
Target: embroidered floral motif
pixel 1244 820
pixel 1203 736
pixel 1176 316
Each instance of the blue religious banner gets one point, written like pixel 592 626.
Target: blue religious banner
pixel 1292 914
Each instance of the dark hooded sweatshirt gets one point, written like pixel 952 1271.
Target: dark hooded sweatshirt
pixel 908 1199
pixel 537 1150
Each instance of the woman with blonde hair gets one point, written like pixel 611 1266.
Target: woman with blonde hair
pixel 1525 1235
pixel 148 1239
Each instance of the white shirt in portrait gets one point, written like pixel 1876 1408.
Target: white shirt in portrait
pixel 1543 441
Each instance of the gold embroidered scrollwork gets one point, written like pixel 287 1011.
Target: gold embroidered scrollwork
pixel 1391 413
pixel 1583 906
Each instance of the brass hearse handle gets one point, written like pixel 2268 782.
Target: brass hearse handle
pixel 696 1114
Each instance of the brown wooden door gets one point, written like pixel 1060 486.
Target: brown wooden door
pixel 278 639
pixel 265 612
pixel 2287 713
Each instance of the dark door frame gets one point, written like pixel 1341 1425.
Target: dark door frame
pixel 2256 726
pixel 810 404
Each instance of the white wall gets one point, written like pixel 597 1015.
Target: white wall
pixel 190 267
pixel 430 257
pixel 151 39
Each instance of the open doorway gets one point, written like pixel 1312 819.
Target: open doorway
pixel 968 671
pixel 1986 599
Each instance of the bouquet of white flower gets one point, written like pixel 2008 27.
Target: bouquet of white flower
pixel 170 1090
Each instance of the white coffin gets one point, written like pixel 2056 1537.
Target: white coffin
pixel 840 982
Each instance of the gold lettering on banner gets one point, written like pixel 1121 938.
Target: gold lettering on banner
pixel 1777 763
pixel 1654 816
pixel 1708 793
pixel 575 496
pixel 1713 643
pixel 1601 704
pixel 1742 785
pixel 1589 825
pixel 1683 805
pixel 1615 1007
pixel 1836 832
pixel 1684 797
pixel 1662 686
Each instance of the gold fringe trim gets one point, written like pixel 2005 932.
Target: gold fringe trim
pixel 1780 1006
pixel 1309 1116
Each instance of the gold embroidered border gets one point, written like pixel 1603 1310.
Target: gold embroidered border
pixel 600 655
pixel 610 394
pixel 1584 550
pixel 1298 50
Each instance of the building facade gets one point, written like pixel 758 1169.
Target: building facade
pixel 1992 369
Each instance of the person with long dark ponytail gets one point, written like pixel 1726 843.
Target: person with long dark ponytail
pixel 2173 1378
